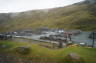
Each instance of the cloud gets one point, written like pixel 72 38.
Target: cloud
pixel 22 5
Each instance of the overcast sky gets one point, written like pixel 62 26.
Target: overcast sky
pixel 24 5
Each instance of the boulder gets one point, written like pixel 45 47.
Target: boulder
pixel 74 58
pixel 23 50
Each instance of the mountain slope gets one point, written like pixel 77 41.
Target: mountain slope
pixel 76 16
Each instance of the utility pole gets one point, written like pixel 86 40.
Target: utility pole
pixel 70 35
pixel 93 39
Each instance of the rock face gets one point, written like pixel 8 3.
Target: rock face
pixel 74 58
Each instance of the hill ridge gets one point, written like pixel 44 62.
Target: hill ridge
pixel 77 16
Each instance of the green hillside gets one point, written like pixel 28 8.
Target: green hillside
pixel 77 16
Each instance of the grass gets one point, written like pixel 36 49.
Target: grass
pixel 39 54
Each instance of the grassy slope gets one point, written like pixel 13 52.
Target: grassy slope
pixel 43 55
pixel 77 16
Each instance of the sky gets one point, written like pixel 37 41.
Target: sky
pixel 24 5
